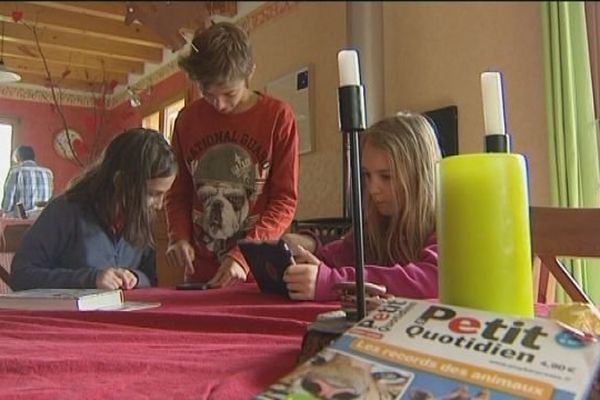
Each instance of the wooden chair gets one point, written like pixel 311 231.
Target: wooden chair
pixel 566 232
pixel 9 242
pixel 326 229
pixel 168 276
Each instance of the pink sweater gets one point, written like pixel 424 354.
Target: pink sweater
pixel 415 280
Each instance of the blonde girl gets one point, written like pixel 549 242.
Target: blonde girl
pixel 399 156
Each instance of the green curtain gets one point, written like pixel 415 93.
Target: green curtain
pixel 572 130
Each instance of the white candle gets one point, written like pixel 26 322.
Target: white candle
pixel 348 68
pixel 493 103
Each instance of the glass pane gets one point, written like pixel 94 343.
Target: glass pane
pixel 151 121
pixel 171 112
pixel 5 154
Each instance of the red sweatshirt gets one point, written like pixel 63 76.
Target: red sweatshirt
pixel 238 178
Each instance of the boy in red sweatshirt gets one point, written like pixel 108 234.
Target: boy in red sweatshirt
pixel 238 162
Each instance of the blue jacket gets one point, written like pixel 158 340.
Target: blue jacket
pixel 67 246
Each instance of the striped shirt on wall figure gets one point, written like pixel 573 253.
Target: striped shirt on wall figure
pixel 27 184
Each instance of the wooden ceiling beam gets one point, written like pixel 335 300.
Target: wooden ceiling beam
pixel 92 40
pixel 72 22
pixel 57 70
pixel 19 33
pixel 114 10
pixel 74 58
pixel 67 83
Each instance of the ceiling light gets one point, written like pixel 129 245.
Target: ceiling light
pixel 6 75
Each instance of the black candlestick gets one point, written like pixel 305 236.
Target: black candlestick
pixel 351 110
pixel 497 143
pixel 347 194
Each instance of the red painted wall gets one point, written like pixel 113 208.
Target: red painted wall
pixel 38 123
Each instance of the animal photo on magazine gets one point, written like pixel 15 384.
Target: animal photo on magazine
pixel 333 375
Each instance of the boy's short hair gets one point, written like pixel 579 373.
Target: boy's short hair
pixel 221 53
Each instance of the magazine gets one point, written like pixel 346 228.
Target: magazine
pixel 415 349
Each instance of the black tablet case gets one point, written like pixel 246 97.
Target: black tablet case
pixel 268 260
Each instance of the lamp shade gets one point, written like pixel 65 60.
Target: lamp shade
pixel 7 75
pixel 134 98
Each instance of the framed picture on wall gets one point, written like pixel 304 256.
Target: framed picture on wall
pixel 294 88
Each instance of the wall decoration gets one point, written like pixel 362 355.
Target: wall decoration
pixel 265 13
pixel 62 148
pixel 294 88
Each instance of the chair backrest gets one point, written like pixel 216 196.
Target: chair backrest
pixel 326 229
pixel 9 242
pixel 445 121
pixel 566 232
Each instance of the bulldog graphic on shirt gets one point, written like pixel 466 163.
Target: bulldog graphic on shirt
pixel 225 179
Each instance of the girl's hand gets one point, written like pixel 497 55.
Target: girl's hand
pixel 297 240
pixel 229 273
pixel 128 278
pixel 116 278
pixel 301 279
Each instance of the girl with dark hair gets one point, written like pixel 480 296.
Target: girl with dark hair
pixel 98 234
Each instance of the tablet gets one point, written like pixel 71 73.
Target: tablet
pixel 192 286
pixel 268 260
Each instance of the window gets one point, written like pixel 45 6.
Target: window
pixel 6 136
pixel 170 114
pixel 163 119
pixel 152 121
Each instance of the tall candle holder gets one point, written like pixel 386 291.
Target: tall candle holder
pixel 352 120
pixel 497 143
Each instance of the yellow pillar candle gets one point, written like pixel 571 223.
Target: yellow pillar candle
pixel 483 233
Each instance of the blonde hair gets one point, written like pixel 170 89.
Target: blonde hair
pixel 221 53
pixel 412 149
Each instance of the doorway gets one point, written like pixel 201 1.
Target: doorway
pixel 6 137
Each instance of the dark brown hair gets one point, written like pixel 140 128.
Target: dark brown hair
pixel 221 53
pixel 115 185
pixel 25 153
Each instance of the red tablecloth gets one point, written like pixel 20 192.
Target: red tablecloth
pixel 215 344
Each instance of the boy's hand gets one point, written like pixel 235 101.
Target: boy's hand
pixel 301 278
pixel 229 273
pixel 181 253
